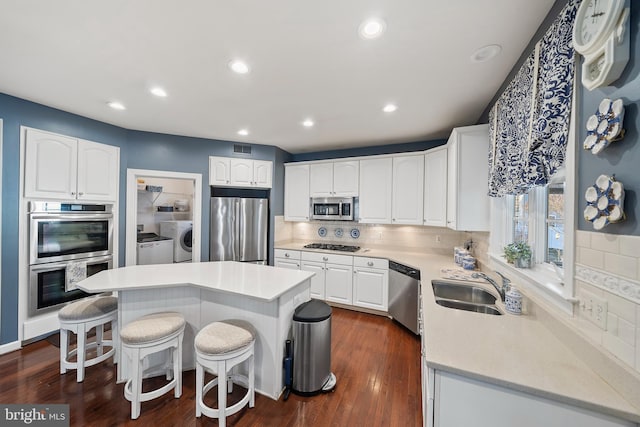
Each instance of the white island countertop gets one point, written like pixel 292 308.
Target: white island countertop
pixel 251 280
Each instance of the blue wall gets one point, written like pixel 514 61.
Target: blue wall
pixel 368 151
pixel 138 150
pixel 621 158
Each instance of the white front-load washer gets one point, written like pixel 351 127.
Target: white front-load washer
pixel 181 232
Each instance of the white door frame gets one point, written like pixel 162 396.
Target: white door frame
pixel 132 209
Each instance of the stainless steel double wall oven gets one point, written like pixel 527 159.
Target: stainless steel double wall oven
pixel 62 235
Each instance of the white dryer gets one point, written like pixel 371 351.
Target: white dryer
pixel 181 233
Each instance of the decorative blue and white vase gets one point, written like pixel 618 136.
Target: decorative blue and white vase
pixel 469 262
pixel 513 301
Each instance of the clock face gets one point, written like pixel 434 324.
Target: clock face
pixel 593 19
pixel 594 22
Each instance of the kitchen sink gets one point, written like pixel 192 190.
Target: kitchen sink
pixel 461 296
pixel 478 308
pixel 464 293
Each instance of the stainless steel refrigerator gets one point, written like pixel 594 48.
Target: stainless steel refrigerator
pixel 239 229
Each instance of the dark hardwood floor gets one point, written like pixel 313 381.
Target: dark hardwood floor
pixel 376 362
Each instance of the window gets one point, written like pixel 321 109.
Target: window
pixel 542 218
pixel 521 218
pixel 555 224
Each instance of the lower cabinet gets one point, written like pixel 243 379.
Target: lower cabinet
pixel 333 280
pixel 371 283
pixel 286 259
pixel 345 279
pixel 461 401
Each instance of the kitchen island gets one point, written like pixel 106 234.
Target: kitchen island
pixel 207 292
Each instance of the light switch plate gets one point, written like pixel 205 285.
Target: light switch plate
pixel 595 309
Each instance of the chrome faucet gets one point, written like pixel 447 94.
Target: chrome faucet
pixel 502 290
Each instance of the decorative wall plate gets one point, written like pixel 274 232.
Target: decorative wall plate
pixel 605 202
pixel 605 126
pixel 322 231
pixel 355 233
pixel 338 232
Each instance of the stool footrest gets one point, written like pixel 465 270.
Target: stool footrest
pixel 230 410
pixel 149 395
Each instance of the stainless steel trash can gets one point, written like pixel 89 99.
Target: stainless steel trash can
pixel 312 348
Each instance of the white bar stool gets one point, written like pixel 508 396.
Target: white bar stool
pixel 80 317
pixel 220 346
pixel 147 335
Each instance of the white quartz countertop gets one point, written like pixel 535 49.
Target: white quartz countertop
pixel 517 352
pixel 256 281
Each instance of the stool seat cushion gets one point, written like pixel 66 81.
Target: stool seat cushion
pixel 88 308
pixel 224 336
pixel 151 327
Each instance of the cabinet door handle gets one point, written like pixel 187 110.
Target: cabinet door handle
pixel 324 258
pixel 286 255
pixel 80 194
pixel 73 193
pixel 370 264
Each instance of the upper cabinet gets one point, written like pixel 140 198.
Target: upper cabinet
pixel 233 172
pixel 336 179
pixel 296 192
pixel 408 189
pixel 64 168
pixel 375 190
pixel 435 187
pixel 467 172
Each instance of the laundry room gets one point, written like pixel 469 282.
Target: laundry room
pixel 164 220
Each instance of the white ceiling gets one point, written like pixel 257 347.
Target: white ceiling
pixel 306 60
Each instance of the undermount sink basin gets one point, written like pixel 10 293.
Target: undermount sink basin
pixel 478 308
pixel 460 292
pixel 464 297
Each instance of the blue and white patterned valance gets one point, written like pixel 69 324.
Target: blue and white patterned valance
pixel 529 123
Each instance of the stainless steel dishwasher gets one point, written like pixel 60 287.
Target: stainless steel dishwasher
pixel 404 291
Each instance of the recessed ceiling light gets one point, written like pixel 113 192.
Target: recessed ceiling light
pixel 486 53
pixel 390 108
pixel 158 91
pixel 372 28
pixel 239 67
pixel 243 132
pixel 308 123
pixel 116 105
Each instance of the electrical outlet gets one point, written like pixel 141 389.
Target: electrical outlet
pixel 595 309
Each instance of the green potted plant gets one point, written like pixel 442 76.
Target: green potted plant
pixel 518 254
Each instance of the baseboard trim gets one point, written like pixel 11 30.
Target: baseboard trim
pixel 9 347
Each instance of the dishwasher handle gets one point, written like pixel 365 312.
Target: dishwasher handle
pixel 404 269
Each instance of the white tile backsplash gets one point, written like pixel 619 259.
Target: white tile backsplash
pixel 590 257
pixel 621 265
pixel 609 266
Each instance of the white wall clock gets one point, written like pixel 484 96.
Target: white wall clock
pixel 601 35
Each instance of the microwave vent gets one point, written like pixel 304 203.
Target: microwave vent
pixel 241 149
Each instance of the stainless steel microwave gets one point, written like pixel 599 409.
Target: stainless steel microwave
pixel 333 208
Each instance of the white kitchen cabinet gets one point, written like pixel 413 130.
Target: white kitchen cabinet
pixel 64 168
pixel 435 187
pixel 335 179
pixel 375 190
pixel 296 192
pixel 333 280
pixel 316 289
pixel 408 189
pixel 461 401
pixel 245 173
pixel 219 171
pixel 371 283
pixel 286 259
pixel 467 182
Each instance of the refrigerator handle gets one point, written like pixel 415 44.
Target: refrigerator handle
pixel 238 227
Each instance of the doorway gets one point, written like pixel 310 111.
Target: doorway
pixel 154 197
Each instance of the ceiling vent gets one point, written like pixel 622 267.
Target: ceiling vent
pixel 241 149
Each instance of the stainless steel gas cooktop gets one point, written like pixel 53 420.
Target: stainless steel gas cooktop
pixel 332 247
